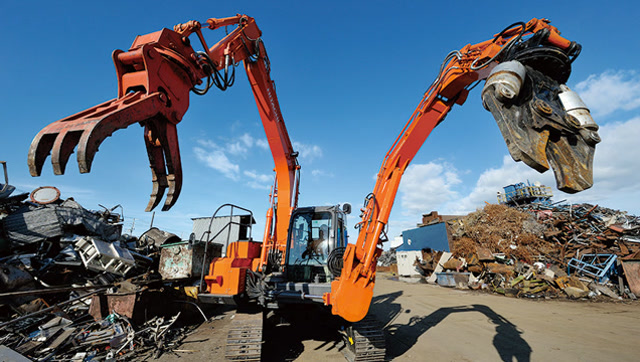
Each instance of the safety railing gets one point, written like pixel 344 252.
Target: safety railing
pixel 227 227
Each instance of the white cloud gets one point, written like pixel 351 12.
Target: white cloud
pixel 426 187
pixel 493 180
pixel 217 160
pixel 617 158
pixel 259 181
pixel 207 143
pixel 237 149
pixel 616 165
pixel 610 91
pixel 307 152
pixel 241 146
pixel 321 173
pixel 616 180
pixel 247 140
pixel 218 157
pixel 262 143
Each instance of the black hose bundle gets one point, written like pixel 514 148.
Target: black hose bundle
pixel 335 261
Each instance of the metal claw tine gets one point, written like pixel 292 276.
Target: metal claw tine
pixel 63 147
pixel 87 130
pixel 156 163
pixel 174 165
pixel 571 163
pixel 159 185
pixel 39 150
pixel 524 144
pixel 132 108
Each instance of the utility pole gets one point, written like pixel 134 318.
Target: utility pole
pixel 133 226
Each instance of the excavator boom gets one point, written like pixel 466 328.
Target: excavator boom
pixel 543 122
pixel 155 77
pixel 526 66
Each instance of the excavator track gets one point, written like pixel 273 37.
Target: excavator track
pixel 244 340
pixel 365 341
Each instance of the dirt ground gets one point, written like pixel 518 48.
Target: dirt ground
pixel 425 322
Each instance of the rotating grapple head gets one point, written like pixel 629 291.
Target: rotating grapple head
pixel 544 123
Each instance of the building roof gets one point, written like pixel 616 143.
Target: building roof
pixel 253 220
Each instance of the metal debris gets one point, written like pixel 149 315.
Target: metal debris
pixel 73 287
pixel 544 250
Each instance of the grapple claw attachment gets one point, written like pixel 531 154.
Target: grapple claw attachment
pixel 88 129
pixel 155 78
pixel 544 124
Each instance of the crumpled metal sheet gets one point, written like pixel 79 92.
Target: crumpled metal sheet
pixel 72 215
pixel 102 305
pixel 632 273
pixel 185 260
pixel 6 190
pixel 31 224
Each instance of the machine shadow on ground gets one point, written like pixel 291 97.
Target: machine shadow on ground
pixel 295 334
pixel 401 337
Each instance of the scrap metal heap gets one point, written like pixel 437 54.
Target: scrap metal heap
pixel 73 286
pixel 542 250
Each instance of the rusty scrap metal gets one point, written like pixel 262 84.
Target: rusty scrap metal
pixel 632 274
pixel 50 253
pixel 185 260
pixel 539 242
pixel 46 310
pixel 105 304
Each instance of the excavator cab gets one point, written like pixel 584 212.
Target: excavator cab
pixel 316 242
pixel 317 235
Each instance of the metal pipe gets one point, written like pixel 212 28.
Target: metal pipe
pixel 50 308
pixel 50 290
pixel 195 305
pixel 300 295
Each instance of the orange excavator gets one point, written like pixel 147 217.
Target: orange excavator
pixel 304 259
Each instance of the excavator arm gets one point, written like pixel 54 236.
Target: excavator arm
pixel 543 122
pixel 155 77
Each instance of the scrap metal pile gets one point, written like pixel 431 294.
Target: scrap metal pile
pixel 545 251
pixel 73 287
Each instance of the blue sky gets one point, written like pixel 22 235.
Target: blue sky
pixel 348 76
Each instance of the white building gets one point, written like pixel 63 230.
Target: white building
pixel 223 229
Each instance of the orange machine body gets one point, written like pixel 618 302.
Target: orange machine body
pixel 155 77
pixel 227 275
